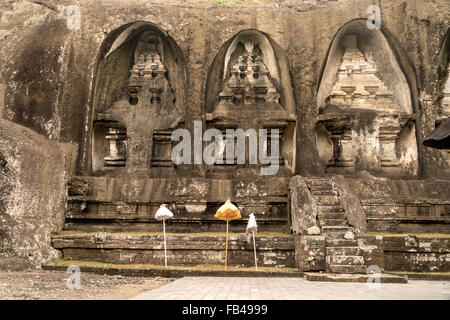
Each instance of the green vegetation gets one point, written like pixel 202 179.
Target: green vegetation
pixel 225 2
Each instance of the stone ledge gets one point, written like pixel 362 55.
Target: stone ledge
pixel 176 273
pixel 424 276
pixel 332 277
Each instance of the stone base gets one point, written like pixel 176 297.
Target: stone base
pixel 332 277
pixel 174 272
pixel 310 253
pixel 183 249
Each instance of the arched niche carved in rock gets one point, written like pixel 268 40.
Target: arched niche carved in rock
pixel 249 87
pixel 365 113
pixel 139 99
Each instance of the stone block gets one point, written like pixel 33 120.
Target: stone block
pixel 302 205
pixel 34 174
pixel 310 253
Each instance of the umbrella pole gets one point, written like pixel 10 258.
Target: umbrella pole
pixel 226 249
pixel 165 251
pixel 254 249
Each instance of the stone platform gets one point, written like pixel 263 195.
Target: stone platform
pixel 173 271
pixel 182 249
pixel 122 204
pixel 333 277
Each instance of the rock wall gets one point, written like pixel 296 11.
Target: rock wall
pixel 310 253
pixel 408 253
pixel 48 71
pixel 98 203
pixel 398 206
pixel 33 176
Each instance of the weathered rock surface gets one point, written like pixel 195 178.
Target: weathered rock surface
pixel 356 217
pixel 303 207
pixel 349 235
pixel 33 176
pixel 63 60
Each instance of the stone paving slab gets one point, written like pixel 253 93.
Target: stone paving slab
pixel 245 288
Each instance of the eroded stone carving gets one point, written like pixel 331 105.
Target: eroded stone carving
pixel 250 99
pixel 357 85
pixel 363 125
pixel 250 81
pixel 137 128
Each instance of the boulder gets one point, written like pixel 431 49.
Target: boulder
pixel 349 235
pixel 355 214
pixel 33 190
pixel 313 230
pixel 303 207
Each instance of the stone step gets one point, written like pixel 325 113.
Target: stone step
pixel 336 229
pixel 332 222
pixel 348 269
pixel 333 277
pixel 326 209
pixel 320 181
pixel 331 215
pixel 341 243
pixel 321 188
pixel 328 202
pixel 343 251
pixel 326 197
pixel 139 270
pixel 324 193
pixel 345 260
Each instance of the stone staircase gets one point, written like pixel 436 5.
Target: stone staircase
pixel 342 255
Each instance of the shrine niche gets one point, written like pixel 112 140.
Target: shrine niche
pixel 138 101
pixel 365 115
pixel 249 88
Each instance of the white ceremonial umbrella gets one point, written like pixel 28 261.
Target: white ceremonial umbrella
pixel 251 227
pixel 163 214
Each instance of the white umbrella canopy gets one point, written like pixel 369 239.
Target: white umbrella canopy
pixel 162 214
pixel 252 227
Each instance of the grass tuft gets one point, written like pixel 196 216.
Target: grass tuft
pixel 418 235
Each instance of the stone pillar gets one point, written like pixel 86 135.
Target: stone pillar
pixel 341 137
pixel 116 138
pixel 388 138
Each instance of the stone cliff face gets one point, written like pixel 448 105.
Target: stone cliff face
pixel 33 176
pixel 48 71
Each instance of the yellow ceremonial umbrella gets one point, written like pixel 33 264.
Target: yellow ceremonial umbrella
pixel 227 212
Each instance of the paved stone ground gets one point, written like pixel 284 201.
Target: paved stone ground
pixel 217 288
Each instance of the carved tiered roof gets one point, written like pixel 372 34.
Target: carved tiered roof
pixel 249 82
pixel 357 84
pixel 149 65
